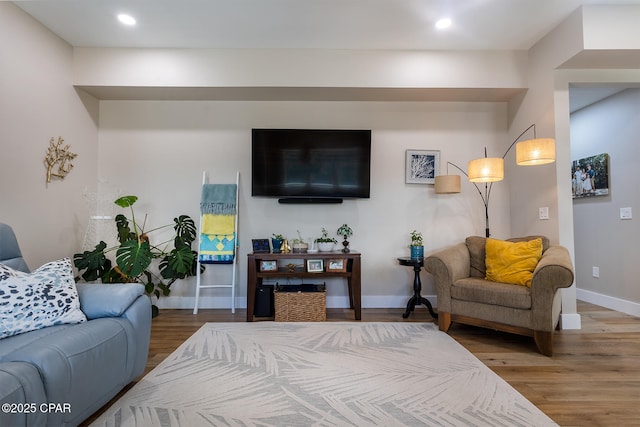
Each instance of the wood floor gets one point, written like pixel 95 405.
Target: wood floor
pixel 593 378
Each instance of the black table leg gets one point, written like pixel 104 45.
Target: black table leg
pixel 417 299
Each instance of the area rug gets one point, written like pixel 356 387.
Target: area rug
pixel 322 374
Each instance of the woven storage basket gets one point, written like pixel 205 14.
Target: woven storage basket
pixel 307 303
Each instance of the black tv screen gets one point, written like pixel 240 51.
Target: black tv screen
pixel 299 165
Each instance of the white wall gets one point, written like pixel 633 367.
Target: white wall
pixel 37 102
pixel 537 186
pixel 297 68
pixel 602 239
pixel 141 142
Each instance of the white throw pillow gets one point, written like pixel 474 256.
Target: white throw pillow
pixel 45 297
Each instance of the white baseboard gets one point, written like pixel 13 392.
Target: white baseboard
pixel 613 303
pixel 337 301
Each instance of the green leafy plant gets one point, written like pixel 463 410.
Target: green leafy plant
pixel 416 238
pixel 299 240
pixel 135 254
pixel 325 238
pixel 278 236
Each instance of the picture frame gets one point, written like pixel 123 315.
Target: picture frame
pixel 422 166
pixel 590 176
pixel 337 265
pixel 268 265
pixel 260 246
pixel 315 266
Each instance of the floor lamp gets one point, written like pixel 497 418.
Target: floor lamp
pixel 536 151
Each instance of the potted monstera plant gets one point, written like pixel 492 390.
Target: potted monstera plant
pixel 136 252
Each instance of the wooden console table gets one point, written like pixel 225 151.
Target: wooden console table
pixel 352 274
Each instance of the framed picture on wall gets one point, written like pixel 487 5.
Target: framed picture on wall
pixel 590 176
pixel 422 166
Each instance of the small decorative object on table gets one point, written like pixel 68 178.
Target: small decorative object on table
pixel 291 267
pixel 345 231
pixel 276 243
pixel 286 247
pixel 299 245
pixel 417 248
pixel 325 243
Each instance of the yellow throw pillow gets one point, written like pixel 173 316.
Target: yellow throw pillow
pixel 512 262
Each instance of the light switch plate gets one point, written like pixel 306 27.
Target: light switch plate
pixel 543 213
pixel 626 213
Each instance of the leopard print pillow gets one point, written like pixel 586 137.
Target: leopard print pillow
pixel 45 297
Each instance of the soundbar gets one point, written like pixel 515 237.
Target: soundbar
pixel 309 200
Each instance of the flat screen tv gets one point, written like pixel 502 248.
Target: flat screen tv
pixel 310 165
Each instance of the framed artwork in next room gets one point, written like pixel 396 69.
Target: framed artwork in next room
pixel 590 176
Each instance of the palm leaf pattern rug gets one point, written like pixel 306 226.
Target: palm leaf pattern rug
pixel 322 374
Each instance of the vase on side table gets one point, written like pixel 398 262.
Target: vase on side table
pixel 417 251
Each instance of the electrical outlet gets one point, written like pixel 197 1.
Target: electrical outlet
pixel 596 272
pixel 543 213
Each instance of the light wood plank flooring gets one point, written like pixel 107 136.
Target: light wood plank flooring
pixel 593 378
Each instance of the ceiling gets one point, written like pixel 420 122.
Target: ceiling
pixel 313 24
pixel 321 24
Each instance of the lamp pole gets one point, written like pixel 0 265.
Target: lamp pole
pixel 484 197
pixel 488 186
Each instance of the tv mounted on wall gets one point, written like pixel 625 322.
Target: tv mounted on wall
pixel 310 165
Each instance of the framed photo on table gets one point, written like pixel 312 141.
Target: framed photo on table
pixel 260 246
pixel 337 265
pixel 268 265
pixel 422 166
pixel 315 266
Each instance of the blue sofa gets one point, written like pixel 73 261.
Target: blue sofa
pixel 60 375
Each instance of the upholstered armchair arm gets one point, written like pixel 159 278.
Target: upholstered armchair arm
pixel 109 299
pixel 554 271
pixel 447 266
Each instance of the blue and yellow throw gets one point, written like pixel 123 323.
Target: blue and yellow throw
pixel 218 234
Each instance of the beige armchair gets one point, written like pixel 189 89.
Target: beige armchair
pixel 465 296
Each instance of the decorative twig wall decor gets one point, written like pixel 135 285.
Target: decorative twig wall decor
pixel 58 155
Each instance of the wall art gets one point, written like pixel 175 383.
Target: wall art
pixel 422 166
pixel 590 176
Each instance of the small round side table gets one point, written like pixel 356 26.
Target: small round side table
pixel 416 299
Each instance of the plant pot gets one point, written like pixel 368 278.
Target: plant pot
pixel 277 245
pixel 300 248
pixel 325 246
pixel 417 251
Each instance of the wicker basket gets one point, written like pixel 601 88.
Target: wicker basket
pixel 304 303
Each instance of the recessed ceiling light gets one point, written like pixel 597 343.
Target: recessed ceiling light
pixel 126 19
pixel 443 23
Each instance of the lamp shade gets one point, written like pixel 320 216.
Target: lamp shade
pixel 486 169
pixel 536 151
pixel 447 184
